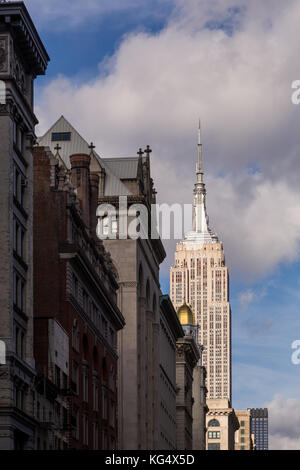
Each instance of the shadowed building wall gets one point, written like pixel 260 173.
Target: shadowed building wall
pixel 22 58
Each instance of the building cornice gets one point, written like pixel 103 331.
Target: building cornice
pixel 171 316
pixel 15 17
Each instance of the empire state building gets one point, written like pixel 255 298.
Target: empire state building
pixel 199 277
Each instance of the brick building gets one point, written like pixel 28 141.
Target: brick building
pixel 75 313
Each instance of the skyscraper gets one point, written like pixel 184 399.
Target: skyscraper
pixel 200 278
pixel 259 427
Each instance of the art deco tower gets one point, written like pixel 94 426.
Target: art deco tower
pixel 200 278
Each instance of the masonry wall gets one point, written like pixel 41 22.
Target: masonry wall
pixel 92 359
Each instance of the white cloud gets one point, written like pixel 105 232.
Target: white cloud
pixel 284 423
pixel 246 298
pixel 156 86
pixel 259 221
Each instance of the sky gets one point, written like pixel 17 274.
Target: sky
pixel 127 73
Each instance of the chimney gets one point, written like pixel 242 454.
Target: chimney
pixel 94 188
pixel 80 178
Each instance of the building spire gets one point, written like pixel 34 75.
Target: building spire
pixel 201 233
pixel 199 171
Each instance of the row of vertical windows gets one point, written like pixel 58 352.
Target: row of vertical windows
pixel 93 312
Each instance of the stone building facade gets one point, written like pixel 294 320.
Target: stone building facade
pixel 188 321
pixel 22 58
pixel 137 262
pixel 200 408
pixel 222 424
pixel 170 330
pixel 187 356
pixel 75 309
pixel 243 439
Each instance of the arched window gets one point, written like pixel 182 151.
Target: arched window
pixel 213 423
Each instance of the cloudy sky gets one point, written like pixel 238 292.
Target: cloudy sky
pixel 128 73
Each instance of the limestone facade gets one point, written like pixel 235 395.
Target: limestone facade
pixel 243 439
pixel 169 332
pixel 221 425
pixel 187 356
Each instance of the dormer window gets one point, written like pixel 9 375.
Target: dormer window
pixel 61 136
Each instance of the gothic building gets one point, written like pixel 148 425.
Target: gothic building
pixel 137 261
pixel 22 58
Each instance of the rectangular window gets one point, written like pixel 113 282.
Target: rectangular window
pixel 85 386
pixel 19 238
pixel 57 376
pixel 213 446
pixel 95 436
pixel 95 396
pixel 85 430
pixel 20 184
pixel 61 136
pixel 75 422
pixel 104 404
pixel 19 291
pixel 75 377
pixel 104 440
pixel 64 381
pixel 20 342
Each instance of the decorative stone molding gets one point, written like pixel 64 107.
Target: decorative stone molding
pixel 128 284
